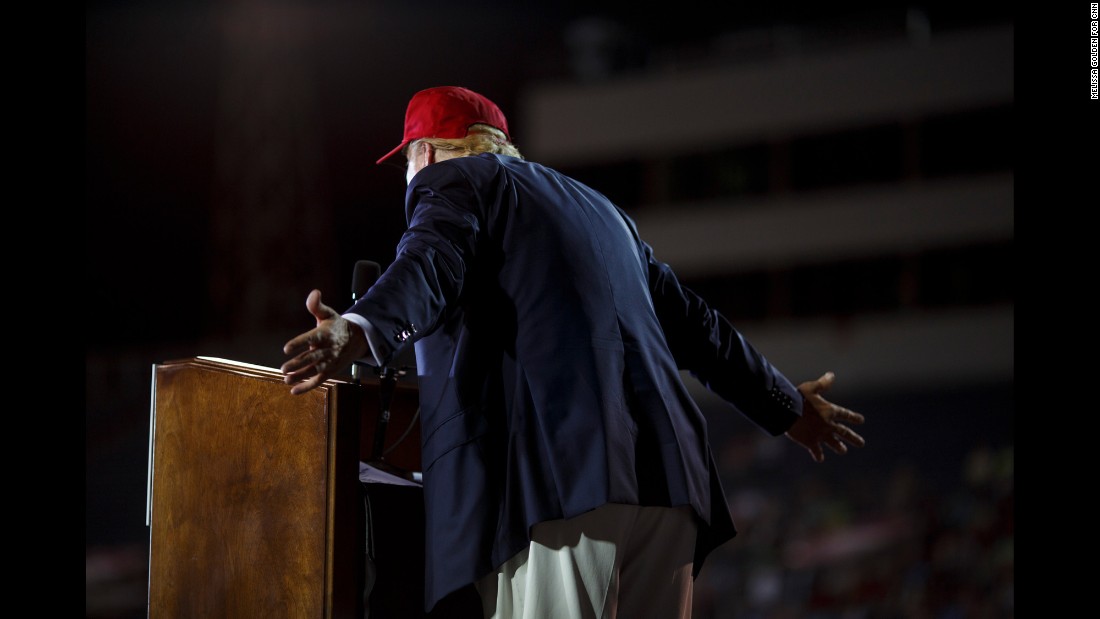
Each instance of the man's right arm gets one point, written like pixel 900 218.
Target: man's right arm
pixel 704 342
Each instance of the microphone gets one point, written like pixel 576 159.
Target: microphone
pixel 363 277
pixel 365 274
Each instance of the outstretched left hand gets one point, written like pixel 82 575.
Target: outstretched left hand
pixel 823 423
pixel 322 352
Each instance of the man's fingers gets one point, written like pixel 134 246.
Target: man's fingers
pixel 304 373
pixel 310 358
pixel 839 417
pixel 297 345
pixel 816 453
pixel 849 435
pixel 834 413
pixel 312 353
pixel 319 310
pixel 311 340
pixel 824 382
pixel 295 366
pixel 305 385
pixel 825 421
pixel 847 416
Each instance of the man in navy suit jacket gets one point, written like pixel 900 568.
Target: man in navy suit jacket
pixel 556 429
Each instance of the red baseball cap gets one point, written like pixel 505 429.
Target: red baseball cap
pixel 447 112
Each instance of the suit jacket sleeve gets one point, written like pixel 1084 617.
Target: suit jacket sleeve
pixel 409 299
pixel 705 343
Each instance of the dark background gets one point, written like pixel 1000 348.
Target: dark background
pixel 230 151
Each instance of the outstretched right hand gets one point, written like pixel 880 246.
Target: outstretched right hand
pixel 823 423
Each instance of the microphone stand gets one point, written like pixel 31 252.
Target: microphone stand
pixel 387 381
pixel 366 273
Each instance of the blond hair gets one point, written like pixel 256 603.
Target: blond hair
pixel 479 139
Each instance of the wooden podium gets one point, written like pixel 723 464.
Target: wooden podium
pixel 255 505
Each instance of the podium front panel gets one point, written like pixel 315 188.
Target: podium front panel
pixel 254 495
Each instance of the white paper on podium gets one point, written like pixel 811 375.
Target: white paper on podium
pixel 373 475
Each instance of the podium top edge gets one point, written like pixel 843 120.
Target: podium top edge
pixel 230 365
pixel 220 362
pixel 252 369
pixel 238 364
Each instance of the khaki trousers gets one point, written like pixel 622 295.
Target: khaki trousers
pixel 614 562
